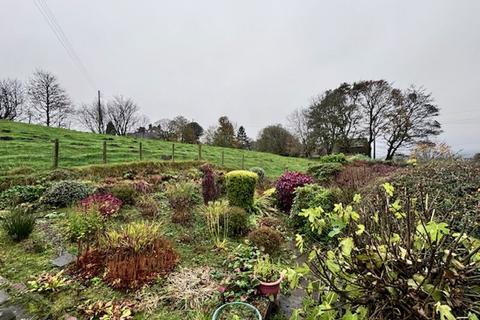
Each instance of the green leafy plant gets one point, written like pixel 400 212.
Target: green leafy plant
pixel 240 185
pixel 265 270
pixel 266 239
pixel 84 227
pixel 241 282
pixel 393 258
pixel 49 282
pixel 20 194
pixel 18 224
pixel 65 193
pixel 334 158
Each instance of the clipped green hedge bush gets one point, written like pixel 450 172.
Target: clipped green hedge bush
pixel 64 193
pixel 324 171
pixel 240 186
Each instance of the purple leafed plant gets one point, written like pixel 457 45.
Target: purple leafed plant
pixel 209 187
pixel 286 185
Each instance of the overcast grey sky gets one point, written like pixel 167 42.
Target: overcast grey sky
pixel 253 60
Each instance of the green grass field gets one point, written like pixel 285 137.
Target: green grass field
pixel 26 145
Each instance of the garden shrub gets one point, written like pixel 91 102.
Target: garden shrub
pixel 124 192
pixel 265 204
pixel 324 171
pixel 18 224
pixel 84 227
pixel 209 186
pixel 260 173
pixel 312 196
pixel 216 217
pixel 389 259
pixel 240 185
pixel 137 254
pixel 106 204
pixel 266 239
pixel 64 193
pixel 182 196
pixel 285 188
pixel 334 158
pixel 148 206
pixel 20 194
pixel 237 220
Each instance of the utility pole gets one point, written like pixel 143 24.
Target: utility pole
pixel 100 115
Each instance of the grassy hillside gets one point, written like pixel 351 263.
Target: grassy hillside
pixel 24 145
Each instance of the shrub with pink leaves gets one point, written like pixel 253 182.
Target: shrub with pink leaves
pixel 106 204
pixel 286 186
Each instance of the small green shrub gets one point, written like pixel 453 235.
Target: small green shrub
pixel 266 239
pixel 334 158
pixel 359 157
pixel 312 196
pixel 237 221
pixel 260 173
pixel 240 186
pixel 84 226
pixel 64 193
pixel 20 194
pixel 124 192
pixel 18 225
pixel 324 171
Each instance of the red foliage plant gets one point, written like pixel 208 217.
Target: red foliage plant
pixel 286 186
pixel 106 204
pixel 359 173
pixel 127 270
pixel 209 187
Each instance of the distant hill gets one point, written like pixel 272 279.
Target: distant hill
pixel 28 145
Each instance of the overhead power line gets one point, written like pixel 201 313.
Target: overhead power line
pixel 63 39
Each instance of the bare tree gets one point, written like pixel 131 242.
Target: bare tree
pixel 12 99
pixel 48 98
pixel 411 120
pixel 93 116
pixel 375 100
pixel 298 125
pixel 123 113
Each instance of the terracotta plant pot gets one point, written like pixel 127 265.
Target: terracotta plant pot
pixel 270 288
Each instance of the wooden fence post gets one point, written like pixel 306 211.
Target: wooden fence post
pixel 56 148
pixel 199 151
pixel 243 161
pixel 173 152
pixel 104 152
pixel 223 158
pixel 140 151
